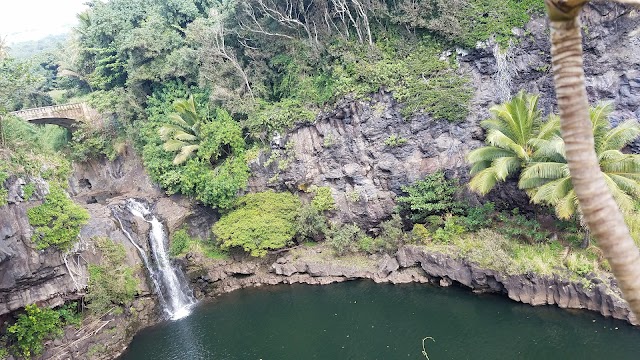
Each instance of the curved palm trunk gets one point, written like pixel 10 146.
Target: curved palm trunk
pixel 599 209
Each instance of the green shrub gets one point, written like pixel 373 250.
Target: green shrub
pixel 412 70
pixel 32 328
pixel 420 234
pixel 70 315
pixel 179 242
pixel 278 116
pixel 182 243
pixel 260 222
pixel 4 192
pixel 344 239
pixel 467 22
pixel 28 190
pixel 88 143
pixel 366 244
pixel 395 140
pixel 579 264
pixel 311 224
pixel 450 231
pixel 57 221
pixel 322 199
pixel 391 235
pixel 434 195
pixel 111 282
pixel 518 227
pixel 479 217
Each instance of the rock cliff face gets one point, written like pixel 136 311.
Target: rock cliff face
pixel 316 266
pixel 612 63
pixel 28 275
pixel 48 278
pixel 346 150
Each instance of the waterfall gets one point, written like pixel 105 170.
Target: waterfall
pixel 174 295
pixel 504 73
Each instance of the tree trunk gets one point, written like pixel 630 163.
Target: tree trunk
pixel 600 211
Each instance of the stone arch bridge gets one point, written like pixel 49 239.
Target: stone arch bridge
pixel 69 116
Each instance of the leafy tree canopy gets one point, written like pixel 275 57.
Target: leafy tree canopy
pixel 259 222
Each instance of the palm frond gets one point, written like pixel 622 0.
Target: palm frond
pixel 551 148
pixel 628 165
pixel 531 183
pixel 552 192
pixel 545 170
pixel 505 166
pixel 567 206
pixel 185 136
pixel 483 181
pixel 625 201
pixel 176 119
pixel 173 145
pixel 488 153
pixel 620 136
pixel 498 139
pixel 167 130
pixel 628 185
pixel 550 128
pixel 479 166
pixel 185 153
pixel 599 116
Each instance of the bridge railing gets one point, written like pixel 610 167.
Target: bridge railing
pixel 46 109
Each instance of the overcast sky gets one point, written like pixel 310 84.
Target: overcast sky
pixel 22 20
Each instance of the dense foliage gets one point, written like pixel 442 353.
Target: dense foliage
pixel 111 282
pixel 33 327
pixel 311 224
pixel 259 222
pixel 521 145
pixel 547 178
pixel 57 221
pixel 211 165
pixel 38 323
pixel 431 196
pixel 512 132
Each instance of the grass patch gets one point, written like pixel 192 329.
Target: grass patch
pixel 182 243
pixel 490 249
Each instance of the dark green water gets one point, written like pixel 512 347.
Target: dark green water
pixel 362 320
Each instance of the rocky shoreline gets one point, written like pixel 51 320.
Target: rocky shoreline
pixel 411 264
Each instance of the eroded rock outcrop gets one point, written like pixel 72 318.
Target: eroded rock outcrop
pixel 347 148
pixel 317 266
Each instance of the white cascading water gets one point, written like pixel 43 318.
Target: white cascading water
pixel 175 297
pixel 505 72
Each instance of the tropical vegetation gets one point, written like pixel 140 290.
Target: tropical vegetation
pixel 521 146
pixel 57 221
pixel 259 222
pixel 547 178
pixel 589 184
pixel 511 135
pixel 111 282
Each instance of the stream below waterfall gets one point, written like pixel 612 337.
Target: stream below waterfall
pixel 363 320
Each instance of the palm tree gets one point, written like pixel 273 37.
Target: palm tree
pixel 182 131
pixel 547 180
pixel 600 211
pixel 510 134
